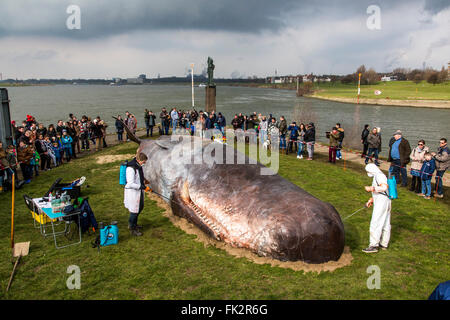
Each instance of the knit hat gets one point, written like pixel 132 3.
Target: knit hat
pixel 398 132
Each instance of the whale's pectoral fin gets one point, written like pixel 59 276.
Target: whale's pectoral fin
pixel 130 134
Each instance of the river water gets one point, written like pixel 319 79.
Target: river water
pixel 51 103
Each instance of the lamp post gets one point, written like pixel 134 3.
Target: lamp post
pixel 359 85
pixel 192 79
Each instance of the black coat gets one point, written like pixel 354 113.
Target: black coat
pixel 310 135
pixel 119 126
pixel 364 135
pixel 404 149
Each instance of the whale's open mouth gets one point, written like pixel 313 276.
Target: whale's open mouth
pixel 207 221
pixel 202 216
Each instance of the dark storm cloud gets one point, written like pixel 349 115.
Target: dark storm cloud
pixel 436 6
pixel 103 18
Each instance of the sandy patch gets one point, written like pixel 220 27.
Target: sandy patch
pixel 113 158
pixel 345 259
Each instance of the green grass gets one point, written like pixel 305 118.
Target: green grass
pixel 398 90
pixel 167 263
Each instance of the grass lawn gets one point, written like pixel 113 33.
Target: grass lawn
pixel 398 90
pixel 167 263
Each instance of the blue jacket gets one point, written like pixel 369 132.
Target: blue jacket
pixel 57 151
pixel 294 132
pixel 67 142
pixel 221 121
pixel 427 170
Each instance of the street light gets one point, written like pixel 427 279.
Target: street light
pixel 192 79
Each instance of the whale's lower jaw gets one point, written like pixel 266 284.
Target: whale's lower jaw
pixel 315 249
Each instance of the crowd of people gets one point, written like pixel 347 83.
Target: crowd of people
pixel 424 163
pixel 300 138
pixel 39 148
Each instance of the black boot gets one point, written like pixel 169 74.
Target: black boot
pixel 135 232
pixel 413 184
pixel 418 186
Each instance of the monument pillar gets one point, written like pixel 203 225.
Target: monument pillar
pixel 210 103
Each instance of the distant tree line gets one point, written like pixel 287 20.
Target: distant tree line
pixel 370 76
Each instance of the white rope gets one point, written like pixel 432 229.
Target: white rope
pixel 354 213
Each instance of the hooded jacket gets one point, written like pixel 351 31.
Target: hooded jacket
pixel 442 158
pixel 428 167
pixel 379 178
pixel 373 141
pixel 25 154
pixel 310 134
pixel 334 139
pixel 417 157
pixel 283 127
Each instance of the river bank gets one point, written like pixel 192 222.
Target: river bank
pixel 397 94
pixel 439 104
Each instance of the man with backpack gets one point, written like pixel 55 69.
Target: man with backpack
pixel 134 191
pixel 380 224
pixel 399 151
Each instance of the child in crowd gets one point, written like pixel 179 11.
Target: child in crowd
pixel 293 129
pixel 58 151
pixel 426 173
pixel 35 163
pixel 67 145
pixel 11 157
pixel 51 154
pixel 192 128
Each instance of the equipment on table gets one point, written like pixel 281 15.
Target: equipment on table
pixel 73 189
pixel 38 216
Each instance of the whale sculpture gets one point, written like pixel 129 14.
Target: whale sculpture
pixel 234 203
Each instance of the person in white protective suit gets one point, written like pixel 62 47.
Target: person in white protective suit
pixel 380 225
pixel 134 192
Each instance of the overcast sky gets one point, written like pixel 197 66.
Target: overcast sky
pixel 244 37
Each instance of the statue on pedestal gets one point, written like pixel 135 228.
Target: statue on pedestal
pixel 210 72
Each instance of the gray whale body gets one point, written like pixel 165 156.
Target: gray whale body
pixel 234 203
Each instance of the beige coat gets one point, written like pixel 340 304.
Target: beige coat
pixel 417 157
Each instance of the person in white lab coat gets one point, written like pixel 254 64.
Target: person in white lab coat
pixel 134 192
pixel 380 225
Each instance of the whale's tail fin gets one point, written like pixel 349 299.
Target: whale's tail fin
pixel 130 134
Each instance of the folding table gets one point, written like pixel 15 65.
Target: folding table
pixel 45 207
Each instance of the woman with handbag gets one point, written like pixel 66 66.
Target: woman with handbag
pixel 417 157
